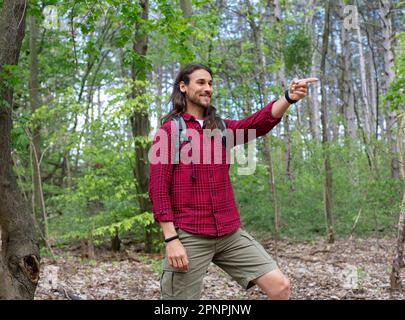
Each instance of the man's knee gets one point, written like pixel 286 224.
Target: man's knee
pixel 281 291
pixel 275 284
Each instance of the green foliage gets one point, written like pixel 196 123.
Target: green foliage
pixel 297 51
pixel 10 75
pixel 126 106
pixel 87 104
pixel 9 79
pixel 176 31
pixel 19 138
pixel 103 199
pixel 302 211
pixel 396 91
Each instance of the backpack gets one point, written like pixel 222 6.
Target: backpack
pixel 181 134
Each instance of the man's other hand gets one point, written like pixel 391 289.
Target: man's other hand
pixel 177 255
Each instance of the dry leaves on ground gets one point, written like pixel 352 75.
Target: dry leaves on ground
pixel 347 269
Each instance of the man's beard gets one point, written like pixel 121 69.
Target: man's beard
pixel 198 102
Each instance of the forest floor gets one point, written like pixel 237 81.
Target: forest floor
pixel 356 268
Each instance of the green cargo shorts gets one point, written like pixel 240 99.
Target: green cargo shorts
pixel 238 254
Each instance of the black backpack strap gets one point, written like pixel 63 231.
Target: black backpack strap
pixel 181 136
pixel 222 128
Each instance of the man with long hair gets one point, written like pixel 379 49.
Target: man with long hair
pixel 194 201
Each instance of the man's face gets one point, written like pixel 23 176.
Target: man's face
pixel 199 89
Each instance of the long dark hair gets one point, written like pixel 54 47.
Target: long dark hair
pixel 178 98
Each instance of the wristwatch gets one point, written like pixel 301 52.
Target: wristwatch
pixel 172 238
pixel 290 101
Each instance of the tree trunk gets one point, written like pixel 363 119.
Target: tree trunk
pixel 373 81
pixel 368 123
pixel 348 93
pixel 42 224
pixel 272 185
pixel 261 61
pixel 325 130
pixel 140 124
pixel 186 8
pixel 399 262
pixel 314 111
pixel 309 15
pixel 116 241
pixel 36 134
pixel 159 94
pixel 19 255
pixel 87 249
pixel 334 109
pixel 370 29
pixel 281 79
pixel 386 9
pixel 68 169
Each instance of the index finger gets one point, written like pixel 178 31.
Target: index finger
pixel 309 80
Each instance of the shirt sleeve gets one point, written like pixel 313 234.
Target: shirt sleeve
pixel 161 171
pixel 261 122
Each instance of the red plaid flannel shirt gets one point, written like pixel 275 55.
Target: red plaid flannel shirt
pixel 203 204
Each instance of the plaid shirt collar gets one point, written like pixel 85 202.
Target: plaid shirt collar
pixel 189 117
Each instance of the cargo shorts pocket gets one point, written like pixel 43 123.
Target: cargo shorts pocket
pixel 243 233
pixel 258 246
pixel 171 285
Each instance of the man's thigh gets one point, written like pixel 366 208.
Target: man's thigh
pixel 178 284
pixel 243 258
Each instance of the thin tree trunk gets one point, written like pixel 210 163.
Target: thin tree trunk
pixel 348 94
pixel 325 130
pixel 332 105
pixel 309 15
pixel 261 61
pixel 374 77
pixel 352 111
pixel 281 79
pixel 159 93
pixel 365 96
pixel 19 255
pixel 140 124
pixel 369 155
pixel 314 111
pixel 43 227
pixel 375 85
pixel 186 8
pixel 386 9
pixel 398 261
pixel 116 241
pixel 36 135
pixel 68 168
pixel 272 184
pixel 372 80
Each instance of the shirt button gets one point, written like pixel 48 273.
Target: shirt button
pixel 211 173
